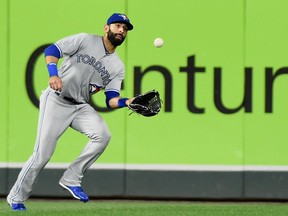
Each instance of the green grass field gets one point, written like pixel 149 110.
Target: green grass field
pixel 144 208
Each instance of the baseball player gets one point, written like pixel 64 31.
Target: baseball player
pixel 90 64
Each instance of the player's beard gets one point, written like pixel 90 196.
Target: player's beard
pixel 113 40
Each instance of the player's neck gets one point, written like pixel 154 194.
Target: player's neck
pixel 109 48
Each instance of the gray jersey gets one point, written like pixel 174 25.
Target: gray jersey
pixel 87 67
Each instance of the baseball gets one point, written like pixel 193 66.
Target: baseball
pixel 158 42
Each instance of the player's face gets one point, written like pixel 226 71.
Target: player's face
pixel 117 33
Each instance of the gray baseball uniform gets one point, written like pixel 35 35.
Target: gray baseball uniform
pixel 86 69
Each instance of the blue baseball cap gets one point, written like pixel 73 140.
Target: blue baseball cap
pixel 120 18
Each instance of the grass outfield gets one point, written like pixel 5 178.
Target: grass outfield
pixel 144 208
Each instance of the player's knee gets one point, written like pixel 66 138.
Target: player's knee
pixel 101 141
pixel 102 137
pixel 39 161
pixel 106 136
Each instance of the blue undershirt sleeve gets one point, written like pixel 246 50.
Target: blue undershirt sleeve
pixel 52 50
pixel 110 95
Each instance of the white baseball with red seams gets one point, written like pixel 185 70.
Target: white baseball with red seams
pixel 158 42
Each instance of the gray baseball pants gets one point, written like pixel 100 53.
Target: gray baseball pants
pixel 56 115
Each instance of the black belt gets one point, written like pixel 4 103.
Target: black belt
pixel 71 100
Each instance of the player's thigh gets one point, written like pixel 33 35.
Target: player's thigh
pixel 89 122
pixel 55 116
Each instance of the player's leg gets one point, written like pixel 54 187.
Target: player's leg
pixel 54 118
pixel 90 123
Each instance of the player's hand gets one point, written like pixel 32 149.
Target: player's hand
pixel 129 101
pixel 55 83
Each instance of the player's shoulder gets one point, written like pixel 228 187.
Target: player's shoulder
pixel 88 35
pixel 88 38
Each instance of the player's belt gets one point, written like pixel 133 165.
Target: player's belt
pixel 71 100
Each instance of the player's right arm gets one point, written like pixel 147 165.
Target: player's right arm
pixel 52 55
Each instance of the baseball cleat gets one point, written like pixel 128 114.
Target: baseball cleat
pixel 16 206
pixel 77 192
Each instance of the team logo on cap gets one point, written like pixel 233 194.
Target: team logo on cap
pixel 124 17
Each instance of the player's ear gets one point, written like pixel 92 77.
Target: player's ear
pixel 106 28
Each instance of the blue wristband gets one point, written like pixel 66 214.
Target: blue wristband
pixel 52 69
pixel 122 102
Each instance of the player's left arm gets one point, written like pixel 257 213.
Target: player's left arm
pixel 119 102
pixel 114 101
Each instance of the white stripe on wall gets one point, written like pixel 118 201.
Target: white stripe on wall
pixel 161 167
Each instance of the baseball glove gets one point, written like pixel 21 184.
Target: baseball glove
pixel 148 104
